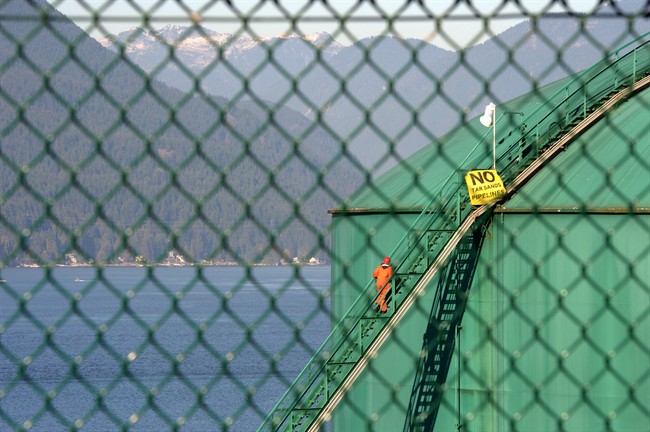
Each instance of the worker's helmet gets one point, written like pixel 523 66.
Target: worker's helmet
pixel 387 260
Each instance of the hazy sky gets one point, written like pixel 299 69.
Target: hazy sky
pixel 443 23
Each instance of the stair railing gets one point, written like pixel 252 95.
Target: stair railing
pixel 445 211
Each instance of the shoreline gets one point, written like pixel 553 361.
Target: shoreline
pixel 226 264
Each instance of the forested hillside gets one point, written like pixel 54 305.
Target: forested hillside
pixel 369 91
pixel 101 162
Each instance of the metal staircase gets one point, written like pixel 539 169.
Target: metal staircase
pixel 439 338
pixel 437 234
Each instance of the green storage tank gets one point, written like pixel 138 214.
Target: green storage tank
pixel 556 331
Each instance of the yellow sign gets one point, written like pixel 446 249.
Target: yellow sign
pixel 484 186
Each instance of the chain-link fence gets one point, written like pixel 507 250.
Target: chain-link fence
pixel 194 196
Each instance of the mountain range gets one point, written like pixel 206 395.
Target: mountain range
pixel 101 163
pixel 233 148
pixel 366 93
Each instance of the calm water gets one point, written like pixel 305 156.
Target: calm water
pixel 218 328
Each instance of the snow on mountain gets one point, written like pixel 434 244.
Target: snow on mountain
pixel 343 85
pixel 198 46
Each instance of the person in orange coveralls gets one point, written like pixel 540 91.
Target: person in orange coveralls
pixel 382 274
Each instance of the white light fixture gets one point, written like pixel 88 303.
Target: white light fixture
pixel 486 119
pixel 489 120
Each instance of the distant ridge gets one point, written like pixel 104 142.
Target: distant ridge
pixel 105 123
pixel 444 87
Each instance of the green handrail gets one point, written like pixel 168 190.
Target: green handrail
pixel 315 386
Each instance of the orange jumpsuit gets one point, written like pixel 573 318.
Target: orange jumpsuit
pixel 383 273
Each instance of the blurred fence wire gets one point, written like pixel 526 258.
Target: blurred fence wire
pixel 194 195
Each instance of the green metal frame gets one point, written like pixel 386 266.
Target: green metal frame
pixel 440 335
pixel 436 232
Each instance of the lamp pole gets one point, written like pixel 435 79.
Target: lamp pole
pixel 494 138
pixel 489 118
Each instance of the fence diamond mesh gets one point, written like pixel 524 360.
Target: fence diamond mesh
pixel 194 196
